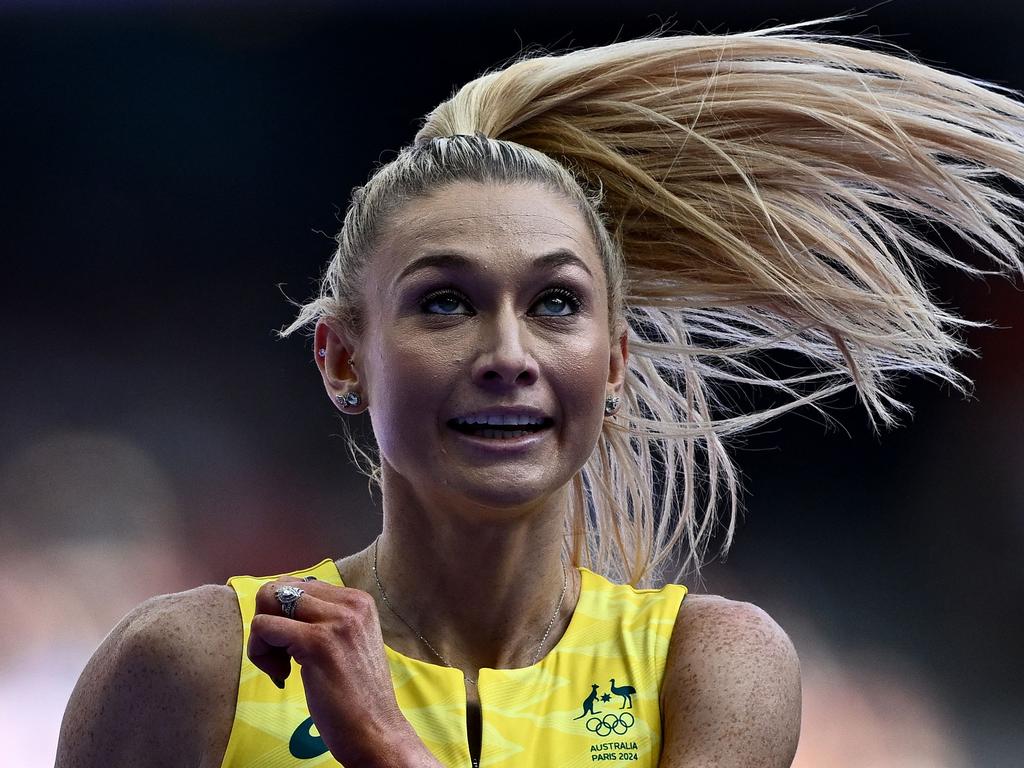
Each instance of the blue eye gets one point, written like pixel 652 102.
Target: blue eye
pixel 447 302
pixel 556 302
pixel 562 302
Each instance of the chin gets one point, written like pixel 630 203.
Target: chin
pixel 506 496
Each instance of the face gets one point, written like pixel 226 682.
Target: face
pixel 486 307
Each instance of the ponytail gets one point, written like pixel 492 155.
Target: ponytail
pixel 767 193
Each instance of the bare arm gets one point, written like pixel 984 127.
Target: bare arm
pixel 731 695
pixel 160 690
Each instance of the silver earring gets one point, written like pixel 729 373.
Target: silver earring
pixel 323 353
pixel 611 404
pixel 350 399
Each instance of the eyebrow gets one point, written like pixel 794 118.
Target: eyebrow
pixel 557 258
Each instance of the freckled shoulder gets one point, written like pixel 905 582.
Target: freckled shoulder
pixel 731 695
pixel 161 688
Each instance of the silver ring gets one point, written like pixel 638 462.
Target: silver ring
pixel 288 596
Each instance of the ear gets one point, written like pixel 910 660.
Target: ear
pixel 339 374
pixel 617 361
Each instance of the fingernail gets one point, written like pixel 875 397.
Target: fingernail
pixel 278 683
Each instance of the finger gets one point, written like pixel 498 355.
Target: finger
pixel 273 641
pixel 268 596
pixel 267 601
pixel 308 608
pixel 273 644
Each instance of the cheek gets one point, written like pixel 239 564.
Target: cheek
pixel 580 374
pixel 406 362
pixel 582 365
pixel 408 379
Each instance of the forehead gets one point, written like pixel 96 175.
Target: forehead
pixel 496 225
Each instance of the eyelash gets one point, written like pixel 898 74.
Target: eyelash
pixel 570 298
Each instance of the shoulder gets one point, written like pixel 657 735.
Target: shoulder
pixel 161 687
pixel 732 687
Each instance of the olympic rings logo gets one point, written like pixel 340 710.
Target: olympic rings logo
pixel 611 723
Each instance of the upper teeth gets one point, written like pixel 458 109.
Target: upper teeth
pixel 506 419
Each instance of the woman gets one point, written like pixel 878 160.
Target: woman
pixel 542 304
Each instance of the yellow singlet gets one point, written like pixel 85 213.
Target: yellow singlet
pixel 593 698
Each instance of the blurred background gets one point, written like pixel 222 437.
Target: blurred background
pixel 171 171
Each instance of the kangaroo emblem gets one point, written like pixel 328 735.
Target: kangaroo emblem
pixel 588 703
pixel 626 692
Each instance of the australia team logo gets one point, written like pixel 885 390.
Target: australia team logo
pixel 589 703
pixel 605 720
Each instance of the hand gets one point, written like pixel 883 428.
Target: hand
pixel 335 637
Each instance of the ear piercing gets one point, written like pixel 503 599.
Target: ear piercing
pixel 611 404
pixel 323 353
pixel 350 399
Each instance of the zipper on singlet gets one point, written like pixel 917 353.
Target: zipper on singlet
pixel 474 733
pixel 475 727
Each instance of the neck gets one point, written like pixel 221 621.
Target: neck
pixel 480 587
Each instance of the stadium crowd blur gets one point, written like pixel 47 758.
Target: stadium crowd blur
pixel 168 169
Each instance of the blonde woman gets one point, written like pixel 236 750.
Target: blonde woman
pixel 537 303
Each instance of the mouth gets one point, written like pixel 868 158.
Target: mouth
pixel 490 431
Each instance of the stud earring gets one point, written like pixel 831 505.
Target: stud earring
pixel 350 399
pixel 323 353
pixel 611 404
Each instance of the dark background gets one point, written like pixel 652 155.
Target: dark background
pixel 170 172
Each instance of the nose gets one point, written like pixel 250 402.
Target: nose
pixel 505 357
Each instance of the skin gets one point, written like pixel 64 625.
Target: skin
pixel 505 344
pixel 470 549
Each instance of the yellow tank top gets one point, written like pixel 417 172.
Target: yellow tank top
pixel 594 697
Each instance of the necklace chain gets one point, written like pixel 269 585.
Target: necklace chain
pixel 540 647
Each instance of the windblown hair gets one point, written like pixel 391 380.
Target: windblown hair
pixel 751 196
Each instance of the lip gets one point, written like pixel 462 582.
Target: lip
pixel 502 446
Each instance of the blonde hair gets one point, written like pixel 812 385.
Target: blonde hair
pixel 748 193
